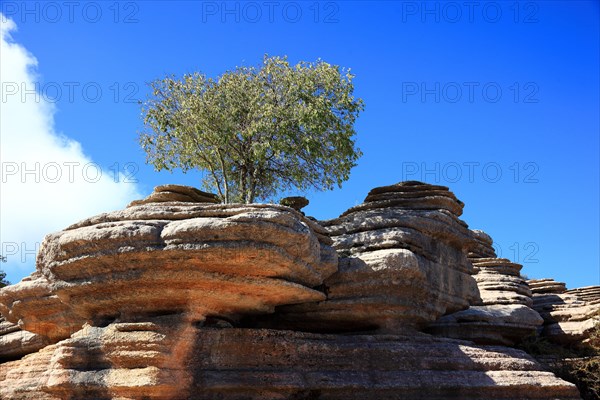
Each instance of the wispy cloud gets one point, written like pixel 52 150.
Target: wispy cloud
pixel 47 182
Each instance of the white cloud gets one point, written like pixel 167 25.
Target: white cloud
pixel 62 186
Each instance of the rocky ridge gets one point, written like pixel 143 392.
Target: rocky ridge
pixel 504 315
pixel 171 257
pixel 570 316
pixel 402 264
pixel 170 298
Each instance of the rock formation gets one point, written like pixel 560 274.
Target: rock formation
pixel 295 202
pixel 168 193
pixel 570 316
pixel 504 315
pixel 168 299
pixel 206 260
pixel 543 286
pixel 403 264
pixel 15 342
pixel 498 279
pixel 134 361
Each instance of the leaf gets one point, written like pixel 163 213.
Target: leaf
pixel 256 130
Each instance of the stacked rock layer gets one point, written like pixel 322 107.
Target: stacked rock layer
pixel 143 303
pixel 402 264
pixel 179 193
pixel 15 342
pixel 504 315
pixel 143 361
pixel 121 293
pixel 570 316
pixel 201 259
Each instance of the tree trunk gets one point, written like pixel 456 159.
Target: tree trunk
pixel 243 184
pixel 251 186
pixel 225 178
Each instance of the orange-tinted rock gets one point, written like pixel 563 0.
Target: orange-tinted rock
pixel 164 358
pixel 162 300
pixel 15 342
pixel 167 257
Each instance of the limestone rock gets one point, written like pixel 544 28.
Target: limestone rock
pixel 492 324
pixel 539 286
pixel 570 316
pixel 34 306
pixel 411 195
pixel 200 259
pixel 177 193
pixel 504 315
pixel 295 202
pixel 481 245
pixel 163 300
pixel 500 282
pixel 15 342
pixel 180 361
pixel 589 294
pixel 403 264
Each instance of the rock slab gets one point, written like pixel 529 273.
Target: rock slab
pixel 570 316
pixel 240 364
pixel 504 314
pixel 402 264
pixel 204 260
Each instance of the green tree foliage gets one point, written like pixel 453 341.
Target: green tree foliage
pixel 257 131
pixel 3 281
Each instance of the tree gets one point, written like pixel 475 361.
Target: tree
pixel 3 281
pixel 256 131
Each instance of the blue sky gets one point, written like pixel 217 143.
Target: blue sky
pixel 497 100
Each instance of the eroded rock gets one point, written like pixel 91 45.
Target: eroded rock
pixel 402 264
pixel 177 193
pixel 15 342
pixel 570 316
pixel 492 324
pixel 295 202
pixel 504 314
pixel 182 362
pixel 171 257
pixel 149 302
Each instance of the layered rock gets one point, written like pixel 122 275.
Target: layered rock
pixel 179 193
pixel 15 342
pixel 541 286
pixel 481 246
pixel 505 324
pixel 204 260
pixel 295 202
pixel 33 304
pixel 267 364
pixel 570 316
pixel 147 303
pixel 500 282
pixel 135 359
pixel 402 264
pixel 498 279
pixel 589 294
pixel 504 315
